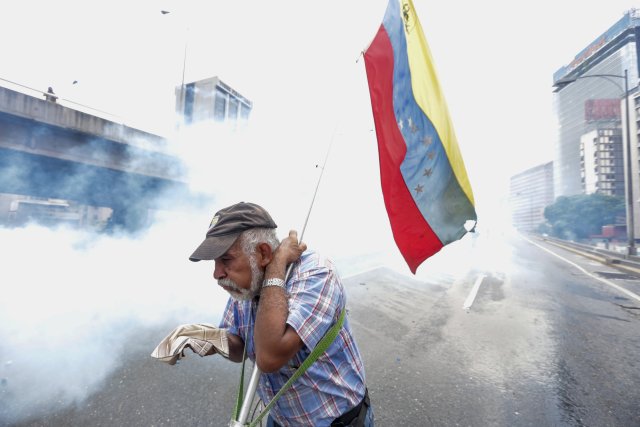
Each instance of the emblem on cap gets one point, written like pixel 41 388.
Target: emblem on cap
pixel 214 221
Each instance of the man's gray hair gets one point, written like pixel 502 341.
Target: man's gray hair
pixel 251 237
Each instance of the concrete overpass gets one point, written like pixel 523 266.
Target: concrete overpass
pixel 53 151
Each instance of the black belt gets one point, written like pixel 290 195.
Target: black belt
pixel 354 417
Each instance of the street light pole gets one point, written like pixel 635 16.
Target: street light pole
pixel 182 102
pixel 631 246
pixel 630 220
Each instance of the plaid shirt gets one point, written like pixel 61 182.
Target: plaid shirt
pixel 333 384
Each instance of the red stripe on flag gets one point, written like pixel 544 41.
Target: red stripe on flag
pixel 413 235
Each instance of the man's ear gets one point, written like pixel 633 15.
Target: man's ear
pixel 265 254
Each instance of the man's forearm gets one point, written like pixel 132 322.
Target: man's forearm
pixel 275 341
pixel 271 319
pixel 236 347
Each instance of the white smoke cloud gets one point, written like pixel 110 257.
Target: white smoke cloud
pixel 70 301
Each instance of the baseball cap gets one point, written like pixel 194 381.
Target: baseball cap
pixel 226 226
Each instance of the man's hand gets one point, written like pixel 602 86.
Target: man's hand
pixel 199 347
pixel 202 338
pixel 289 251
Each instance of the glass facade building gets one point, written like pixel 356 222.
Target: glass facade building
pixel 612 53
pixel 529 193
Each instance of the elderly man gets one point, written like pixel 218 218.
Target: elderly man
pixel 281 322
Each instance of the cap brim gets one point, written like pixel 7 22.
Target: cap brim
pixel 213 247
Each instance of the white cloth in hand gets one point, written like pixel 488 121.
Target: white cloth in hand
pixel 199 337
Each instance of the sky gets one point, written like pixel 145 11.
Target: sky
pixel 301 66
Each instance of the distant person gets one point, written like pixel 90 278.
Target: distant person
pixel 50 96
pixel 282 322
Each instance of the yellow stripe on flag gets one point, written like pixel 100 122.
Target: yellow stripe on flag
pixel 427 92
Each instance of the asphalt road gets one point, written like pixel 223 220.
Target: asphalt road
pixel 541 344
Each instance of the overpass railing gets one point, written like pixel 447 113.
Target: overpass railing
pixel 40 94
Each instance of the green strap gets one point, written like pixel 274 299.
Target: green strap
pixel 239 399
pixel 320 348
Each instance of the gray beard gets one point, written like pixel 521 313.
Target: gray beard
pixel 241 294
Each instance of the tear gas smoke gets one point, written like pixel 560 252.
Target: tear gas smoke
pixel 71 300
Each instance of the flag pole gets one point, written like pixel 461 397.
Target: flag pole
pixel 255 374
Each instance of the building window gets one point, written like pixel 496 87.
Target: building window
pixel 244 112
pixel 189 96
pixel 233 108
pixel 220 105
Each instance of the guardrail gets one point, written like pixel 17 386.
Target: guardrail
pixel 50 96
pixel 616 259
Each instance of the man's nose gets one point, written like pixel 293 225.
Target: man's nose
pixel 218 270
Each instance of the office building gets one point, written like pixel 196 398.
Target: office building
pixel 211 100
pixel 596 75
pixel 530 192
pixel 602 162
pixel 593 103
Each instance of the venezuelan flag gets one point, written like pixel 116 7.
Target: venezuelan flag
pixel 425 186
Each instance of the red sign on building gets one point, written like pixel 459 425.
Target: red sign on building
pixel 601 109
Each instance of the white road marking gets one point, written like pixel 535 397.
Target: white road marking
pixel 605 281
pixel 474 291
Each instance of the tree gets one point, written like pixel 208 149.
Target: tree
pixel 577 217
